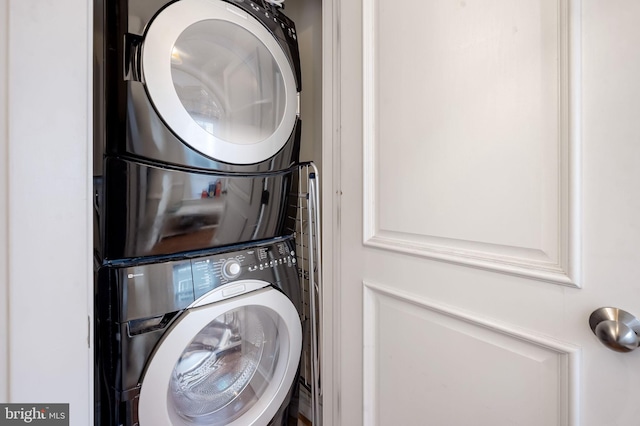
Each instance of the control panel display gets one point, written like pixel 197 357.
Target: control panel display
pixel 182 284
pixel 204 277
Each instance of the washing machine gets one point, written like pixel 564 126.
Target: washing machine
pixel 197 124
pixel 210 340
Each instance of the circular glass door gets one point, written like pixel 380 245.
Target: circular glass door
pixel 220 81
pixel 228 363
pixel 226 367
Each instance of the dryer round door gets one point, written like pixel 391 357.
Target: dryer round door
pixel 227 363
pixel 220 80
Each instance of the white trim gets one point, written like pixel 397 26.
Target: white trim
pixel 4 198
pixel 331 378
pixel 569 355
pixel 156 66
pixel 369 120
pixel 369 359
pixel 566 269
pixel 522 262
pixel 50 153
pixel 573 76
pixel 89 213
pixel 153 407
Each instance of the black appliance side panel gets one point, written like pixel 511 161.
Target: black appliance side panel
pixel 107 350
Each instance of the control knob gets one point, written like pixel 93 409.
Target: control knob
pixel 231 269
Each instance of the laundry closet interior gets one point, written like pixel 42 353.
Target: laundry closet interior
pixel 207 169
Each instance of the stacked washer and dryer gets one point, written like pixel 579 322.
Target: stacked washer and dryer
pixel 198 301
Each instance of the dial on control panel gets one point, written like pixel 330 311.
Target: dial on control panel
pixel 231 269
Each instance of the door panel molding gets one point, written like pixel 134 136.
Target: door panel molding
pixel 549 367
pixel 557 257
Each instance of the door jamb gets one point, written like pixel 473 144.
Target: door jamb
pixel 331 194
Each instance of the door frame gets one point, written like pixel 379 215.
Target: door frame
pixel 330 192
pixel 330 209
pixel 22 26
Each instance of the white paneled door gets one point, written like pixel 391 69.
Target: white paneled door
pixel 490 178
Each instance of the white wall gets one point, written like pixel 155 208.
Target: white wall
pixel 3 202
pixel 49 226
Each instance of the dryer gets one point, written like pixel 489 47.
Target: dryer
pixel 214 339
pixel 197 124
pixel 206 84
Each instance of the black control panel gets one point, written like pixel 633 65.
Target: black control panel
pixel 279 24
pixel 269 12
pixel 156 289
pixel 260 263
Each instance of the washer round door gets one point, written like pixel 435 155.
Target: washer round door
pixel 227 363
pixel 220 80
